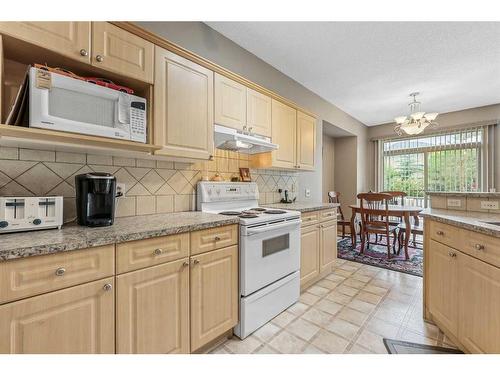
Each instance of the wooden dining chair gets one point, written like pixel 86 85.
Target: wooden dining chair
pixel 398 199
pixel 416 228
pixel 333 197
pixel 374 211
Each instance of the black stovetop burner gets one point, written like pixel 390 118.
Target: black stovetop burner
pixel 248 216
pixel 274 212
pixel 230 213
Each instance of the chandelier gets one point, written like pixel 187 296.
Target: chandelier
pixel 417 121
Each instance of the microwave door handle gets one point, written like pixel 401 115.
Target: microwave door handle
pixel 271 227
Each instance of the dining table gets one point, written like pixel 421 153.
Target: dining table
pixel 401 211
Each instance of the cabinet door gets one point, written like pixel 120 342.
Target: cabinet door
pixel 71 39
pixel 230 103
pixel 77 320
pixel 284 129
pixel 214 295
pixel 309 253
pixel 328 245
pixel 259 113
pixel 183 110
pixel 121 52
pixel 479 306
pixel 306 141
pixel 152 309
pixel 443 284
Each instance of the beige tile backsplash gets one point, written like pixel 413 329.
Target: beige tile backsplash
pixel 152 186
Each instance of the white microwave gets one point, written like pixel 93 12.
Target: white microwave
pixel 59 102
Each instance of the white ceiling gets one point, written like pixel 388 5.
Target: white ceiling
pixel 368 68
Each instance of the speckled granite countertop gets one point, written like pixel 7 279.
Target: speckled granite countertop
pixel 302 207
pixel 475 221
pixel 74 237
pixel 463 194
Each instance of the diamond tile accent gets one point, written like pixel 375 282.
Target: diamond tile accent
pixel 63 170
pixel 178 182
pixel 152 181
pixel 14 168
pixel 39 179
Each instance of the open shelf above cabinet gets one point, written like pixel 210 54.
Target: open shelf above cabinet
pixel 18 136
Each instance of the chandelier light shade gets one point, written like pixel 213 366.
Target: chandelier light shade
pixel 417 121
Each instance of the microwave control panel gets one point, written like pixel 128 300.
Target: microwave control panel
pixel 138 121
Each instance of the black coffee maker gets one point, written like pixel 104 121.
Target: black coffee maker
pixel 95 199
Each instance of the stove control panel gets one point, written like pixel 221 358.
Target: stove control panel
pixel 227 191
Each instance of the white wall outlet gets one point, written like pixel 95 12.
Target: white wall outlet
pixel 454 202
pixel 307 193
pixel 120 189
pixel 489 205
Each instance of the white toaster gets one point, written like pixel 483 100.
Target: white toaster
pixel 30 213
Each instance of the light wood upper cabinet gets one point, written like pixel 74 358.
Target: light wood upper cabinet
pixel 479 305
pixel 153 309
pixel 214 295
pixel 183 110
pixel 71 39
pixel 284 131
pixel 328 245
pixel 259 113
pixel 442 278
pixel 77 320
pixel 229 103
pixel 306 141
pixel 309 253
pixel 119 51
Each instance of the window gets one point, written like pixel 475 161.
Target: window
pixel 450 161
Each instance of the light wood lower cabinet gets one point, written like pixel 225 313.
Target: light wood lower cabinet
pixel 214 295
pixel 328 245
pixel 152 313
pixel 309 254
pixel 78 320
pixel 443 277
pixel 462 292
pixel 479 305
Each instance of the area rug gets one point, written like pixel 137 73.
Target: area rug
pixel 376 256
pixel 405 347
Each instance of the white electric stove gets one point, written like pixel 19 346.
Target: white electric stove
pixel 269 250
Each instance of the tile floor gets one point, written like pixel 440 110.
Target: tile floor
pixel 349 311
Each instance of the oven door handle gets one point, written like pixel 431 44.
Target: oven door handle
pixel 269 228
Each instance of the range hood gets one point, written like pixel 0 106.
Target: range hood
pixel 236 140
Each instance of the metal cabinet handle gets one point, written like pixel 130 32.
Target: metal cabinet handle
pixel 250 128
pixel 84 52
pixel 217 238
pixel 440 233
pixel 196 261
pixel 478 246
pixel 107 287
pixel 158 251
pixel 60 271
pixel 99 58
pixel 452 254
pixel 185 264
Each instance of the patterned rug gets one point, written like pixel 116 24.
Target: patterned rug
pixel 377 256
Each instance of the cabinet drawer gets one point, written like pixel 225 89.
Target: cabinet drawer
pixel 480 246
pixel 213 238
pixel 144 253
pixel 328 215
pixel 310 218
pixel 446 234
pixel 30 276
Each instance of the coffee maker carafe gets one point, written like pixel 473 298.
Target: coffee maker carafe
pixel 95 199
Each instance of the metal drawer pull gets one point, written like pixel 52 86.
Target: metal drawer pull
pixel 84 52
pixel 60 271
pixel 158 252
pixel 451 254
pixel 478 246
pixel 185 264
pixel 99 58
pixel 440 233
pixel 217 238
pixel 196 261
pixel 107 287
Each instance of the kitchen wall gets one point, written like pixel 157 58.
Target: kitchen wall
pixel 328 166
pixel 152 186
pixel 345 175
pixel 464 118
pixel 208 43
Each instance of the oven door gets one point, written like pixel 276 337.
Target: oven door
pixel 268 253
